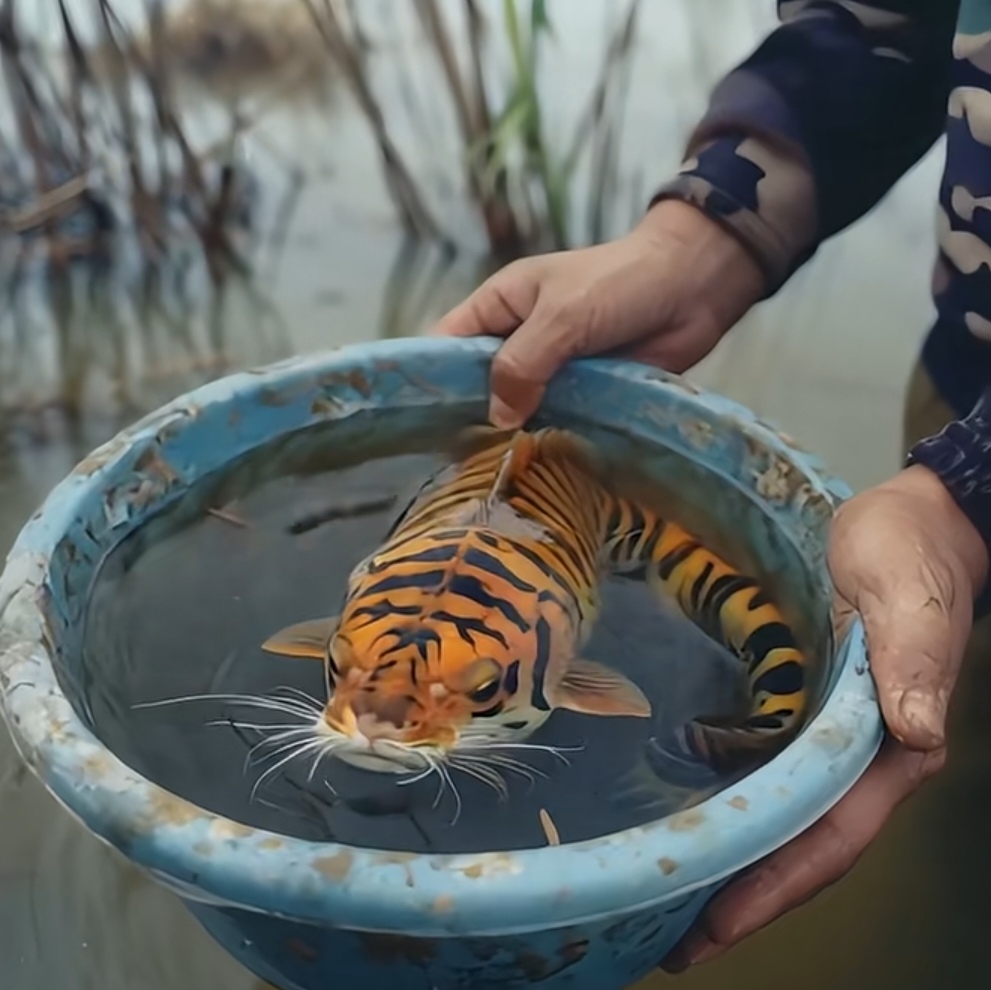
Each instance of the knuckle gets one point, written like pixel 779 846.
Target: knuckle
pixel 510 295
pixel 508 365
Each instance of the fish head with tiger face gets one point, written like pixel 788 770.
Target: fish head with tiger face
pixel 426 690
pixel 423 692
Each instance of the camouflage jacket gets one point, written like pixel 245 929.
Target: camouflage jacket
pixel 809 132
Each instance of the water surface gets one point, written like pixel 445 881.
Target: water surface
pixel 181 609
pixel 827 359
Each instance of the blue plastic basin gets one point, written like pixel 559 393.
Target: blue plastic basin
pixel 597 914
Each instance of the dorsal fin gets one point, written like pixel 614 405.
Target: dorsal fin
pixel 549 444
pixel 515 447
pixel 474 440
pixel 518 450
pixel 558 446
pixel 520 453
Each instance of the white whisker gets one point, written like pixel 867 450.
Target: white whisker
pixel 231 698
pixel 329 746
pixel 286 745
pixel 416 778
pixel 446 776
pixel 299 750
pixel 299 693
pixel 274 806
pixel 278 737
pixel 438 797
pixel 487 775
pixel 556 751
pixel 285 707
pixel 296 730
pixel 300 733
pixel 530 774
pixel 255 726
pixel 503 762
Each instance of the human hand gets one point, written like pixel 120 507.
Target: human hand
pixel 909 561
pixel 664 294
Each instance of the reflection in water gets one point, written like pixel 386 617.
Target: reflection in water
pixel 181 609
pixel 83 341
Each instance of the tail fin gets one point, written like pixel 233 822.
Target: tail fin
pixel 704 751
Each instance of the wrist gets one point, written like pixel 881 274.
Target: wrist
pixel 722 273
pixel 956 531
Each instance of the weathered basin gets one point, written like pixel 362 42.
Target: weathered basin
pixel 308 916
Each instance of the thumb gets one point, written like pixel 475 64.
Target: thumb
pixel 916 636
pixel 528 360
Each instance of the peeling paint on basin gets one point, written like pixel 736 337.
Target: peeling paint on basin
pixel 597 914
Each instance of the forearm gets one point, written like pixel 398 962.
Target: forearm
pixel 808 134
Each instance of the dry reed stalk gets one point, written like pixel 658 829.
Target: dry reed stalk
pixel 54 203
pixel 475 122
pixel 415 216
pixel 81 77
pixel 519 188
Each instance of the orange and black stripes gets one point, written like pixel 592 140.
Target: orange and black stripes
pixel 729 607
pixel 503 554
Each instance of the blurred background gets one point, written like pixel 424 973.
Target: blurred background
pixel 191 186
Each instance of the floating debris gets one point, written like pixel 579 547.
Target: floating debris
pixel 550 829
pixel 229 517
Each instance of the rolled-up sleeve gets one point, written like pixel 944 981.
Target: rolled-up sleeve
pixel 811 131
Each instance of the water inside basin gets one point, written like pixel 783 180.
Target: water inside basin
pixel 181 607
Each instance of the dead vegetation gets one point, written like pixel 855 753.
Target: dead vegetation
pixel 236 47
pixel 114 212
pixel 90 157
pixel 111 217
pixel 521 189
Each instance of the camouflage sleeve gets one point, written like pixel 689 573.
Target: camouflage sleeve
pixel 961 457
pixel 808 133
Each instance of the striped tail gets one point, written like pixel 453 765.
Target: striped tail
pixel 733 610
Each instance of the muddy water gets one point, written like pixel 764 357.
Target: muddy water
pixel 827 360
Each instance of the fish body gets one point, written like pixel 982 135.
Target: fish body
pixel 463 631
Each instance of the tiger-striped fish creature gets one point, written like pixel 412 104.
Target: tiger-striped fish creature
pixel 465 628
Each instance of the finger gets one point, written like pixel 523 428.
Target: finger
pixel 528 360
pixel 916 644
pixel 497 307
pixel 916 622
pixel 810 863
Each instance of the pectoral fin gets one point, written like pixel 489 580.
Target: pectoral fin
pixel 304 639
pixel 592 689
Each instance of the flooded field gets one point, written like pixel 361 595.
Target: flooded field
pixel 827 360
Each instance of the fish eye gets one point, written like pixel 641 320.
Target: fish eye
pixel 481 680
pixel 485 692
